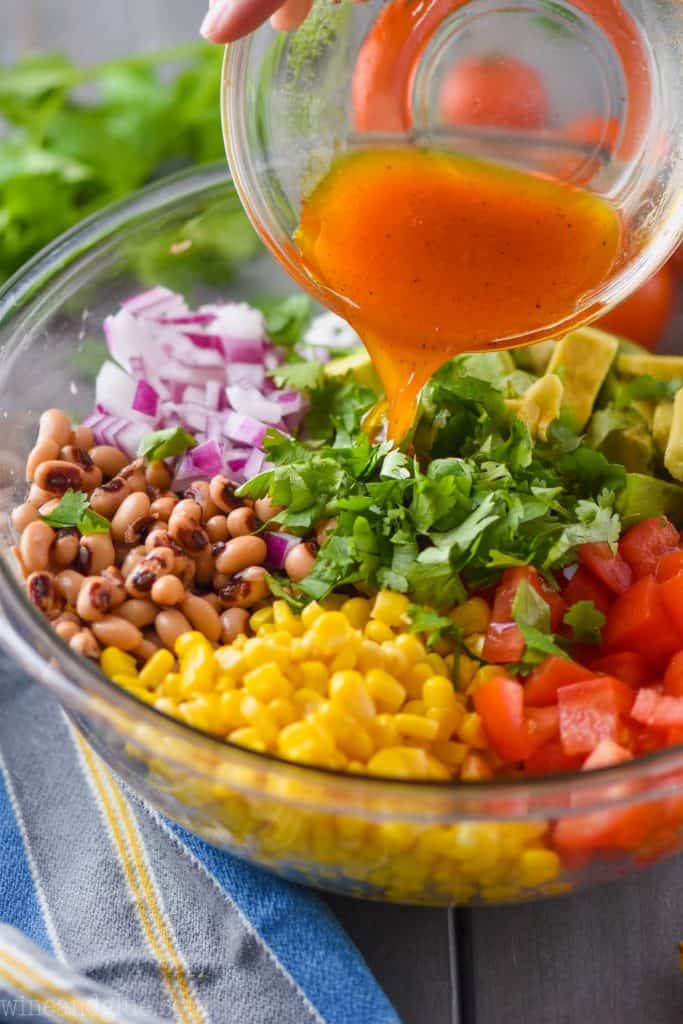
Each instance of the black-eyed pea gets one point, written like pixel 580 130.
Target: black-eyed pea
pixel 157 474
pixel 116 578
pixel 65 547
pixel 203 617
pixel 300 560
pixel 114 631
pixel 140 529
pixel 84 643
pixel 22 515
pixel 95 599
pixel 185 569
pixel 246 590
pixel 66 627
pixel 132 560
pixel 43 593
pixel 170 624
pixel 265 510
pixel 57 476
pixel 186 509
pixel 146 649
pixel 242 522
pixel 152 567
pixel 91 474
pixel 234 622
pixel 324 529
pixel 49 506
pixel 217 528
pixel 241 553
pixel 35 546
pixel 167 591
pixel 162 507
pixel 140 611
pixel 188 533
pixel 38 497
pixel 82 437
pixel 55 425
pixel 222 491
pixel 69 583
pixel 214 600
pixel 107 499
pixel 109 459
pixel 204 567
pixel 134 474
pixel 159 537
pixel 219 580
pixel 101 550
pixel 200 492
pixel 135 506
pixel 46 450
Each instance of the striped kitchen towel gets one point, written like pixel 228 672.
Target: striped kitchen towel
pixel 110 913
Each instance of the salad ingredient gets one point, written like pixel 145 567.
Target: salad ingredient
pixel 396 274
pixel 644 316
pixel 582 360
pixel 494 91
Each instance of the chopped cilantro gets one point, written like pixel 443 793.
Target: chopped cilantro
pixel 304 375
pixel 529 608
pixel 286 320
pixel 165 444
pixel 73 512
pixel 434 627
pixel 586 622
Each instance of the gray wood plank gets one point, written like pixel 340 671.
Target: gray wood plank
pixel 411 952
pixel 609 955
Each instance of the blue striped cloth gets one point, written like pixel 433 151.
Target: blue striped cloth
pixel 110 913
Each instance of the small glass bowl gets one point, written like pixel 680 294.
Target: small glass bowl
pixel 377 74
pixel 411 842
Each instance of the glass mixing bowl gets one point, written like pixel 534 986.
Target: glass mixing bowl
pixel 585 91
pixel 391 840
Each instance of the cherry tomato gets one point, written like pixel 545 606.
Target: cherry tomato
pixel 495 91
pixel 644 316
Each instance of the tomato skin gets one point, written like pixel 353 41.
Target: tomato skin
pixel 628 666
pixel 541 687
pixel 658 711
pixel 644 316
pixel 606 753
pixel 494 91
pixel 590 712
pixel 550 759
pixel 500 703
pixel 504 643
pixel 507 590
pixel 672 596
pixel 645 544
pixel 638 621
pixel 584 587
pixel 609 568
pixel 673 677
pixel 543 725
pixel 669 566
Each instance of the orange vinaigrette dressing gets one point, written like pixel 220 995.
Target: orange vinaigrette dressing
pixel 437 254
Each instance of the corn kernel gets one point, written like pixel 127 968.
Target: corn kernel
pixel 416 727
pixel 284 618
pixel 282 711
pixel 387 693
pixel 370 655
pixel 475 644
pixel 197 666
pixel 438 664
pixel 378 631
pixel 395 661
pixel 450 753
pixel 383 731
pixel 330 633
pixel 474 616
pixel 307 743
pixel 537 867
pixel 267 683
pixel 314 676
pixel 475 768
pixel 447 719
pixel 263 617
pixel 114 662
pixel 156 669
pixel 349 736
pixel 249 738
pixel 357 611
pixel 267 629
pixel 415 707
pixel 390 608
pixel 400 763
pixel 465 672
pixel 438 692
pixel 348 690
pixel 225 682
pixel 230 660
pixel 471 731
pixel 172 686
pixel 187 641
pixel 130 683
pixel 436 770
pixel 415 679
pixel 345 659
pixel 410 646
pixel 484 675
pixel 310 613
pixel 307 700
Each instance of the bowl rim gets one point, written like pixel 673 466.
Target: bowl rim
pixel 541 793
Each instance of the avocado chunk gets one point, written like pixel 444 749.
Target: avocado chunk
pixel 582 361
pixel 540 406
pixel 661 425
pixel 645 497
pixel 359 365
pixel 535 358
pixel 660 367
pixel 632 448
pixel 673 456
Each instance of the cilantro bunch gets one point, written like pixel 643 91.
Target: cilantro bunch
pixel 475 495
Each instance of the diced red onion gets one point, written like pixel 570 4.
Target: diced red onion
pixel 244 430
pixel 278 546
pixel 116 431
pixel 155 302
pixel 211 342
pixel 115 391
pixel 146 399
pixel 246 374
pixel 251 402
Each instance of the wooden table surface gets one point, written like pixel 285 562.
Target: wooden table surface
pixel 605 957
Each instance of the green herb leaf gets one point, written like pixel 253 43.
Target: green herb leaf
pixel 434 627
pixel 69 512
pixel 539 646
pixel 529 608
pixel 586 622
pixel 286 320
pixel 305 375
pixel 165 444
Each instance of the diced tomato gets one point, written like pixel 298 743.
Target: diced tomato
pixel 500 703
pixel 658 711
pixel 674 736
pixel 507 589
pixel 644 740
pixel 669 566
pixel 643 545
pixel 584 587
pixel 605 754
pixel 673 677
pixel 540 689
pixel 589 713
pixel 550 759
pixel 672 596
pixel 638 621
pixel 504 643
pixel 628 666
pixel 607 567
pixel 544 725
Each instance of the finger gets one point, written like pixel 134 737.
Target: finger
pixel 228 20
pixel 290 15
